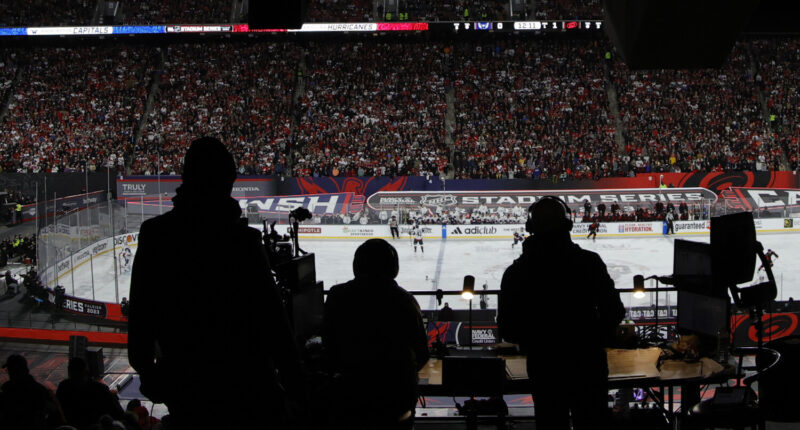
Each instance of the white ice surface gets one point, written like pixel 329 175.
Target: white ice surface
pixel 445 263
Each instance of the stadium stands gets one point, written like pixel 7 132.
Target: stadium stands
pixel 568 9
pixel 532 108
pixel 140 12
pixel 495 107
pixel 695 120
pixel 340 11
pixel 8 71
pixel 75 107
pixel 778 61
pixel 368 110
pixel 43 13
pixel 241 93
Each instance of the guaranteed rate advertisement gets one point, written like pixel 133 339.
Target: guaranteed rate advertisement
pixel 384 200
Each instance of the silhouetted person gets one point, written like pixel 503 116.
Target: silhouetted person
pixel 659 208
pixel 195 337
pixel 446 313
pixel 24 403
pixel 565 356
pixel 84 400
pixel 124 306
pixel 374 363
pixel 683 209
pixel 11 282
pixel 142 415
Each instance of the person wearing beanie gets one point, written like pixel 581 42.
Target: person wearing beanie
pixel 193 336
pixel 359 350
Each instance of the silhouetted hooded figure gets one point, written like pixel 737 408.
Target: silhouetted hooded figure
pixel 24 403
pixel 565 343
pixel 84 400
pixel 375 363
pixel 195 337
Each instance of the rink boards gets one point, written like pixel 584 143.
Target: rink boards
pixel 506 231
pixel 478 251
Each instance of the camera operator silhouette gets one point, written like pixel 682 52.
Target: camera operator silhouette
pixel 194 337
pixel 375 363
pixel 566 359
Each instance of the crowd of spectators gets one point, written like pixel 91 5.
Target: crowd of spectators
pixel 143 12
pixel 45 13
pixel 372 109
pixel 11 202
pixel 483 214
pixel 523 108
pixel 450 10
pixel 75 108
pixel 340 11
pixel 241 93
pixel 778 60
pixel 517 214
pixel 9 60
pixel 532 108
pixel 568 9
pixel 614 212
pixel 684 120
pixel 18 247
pixel 79 402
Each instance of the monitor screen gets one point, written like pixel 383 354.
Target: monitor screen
pixel 691 268
pixel 702 314
pixel 691 258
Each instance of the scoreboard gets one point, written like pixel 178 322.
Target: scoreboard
pixel 340 27
pixel 509 26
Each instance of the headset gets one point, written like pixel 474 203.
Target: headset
pixel 567 222
pixel 376 252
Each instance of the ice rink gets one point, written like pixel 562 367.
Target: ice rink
pixel 445 263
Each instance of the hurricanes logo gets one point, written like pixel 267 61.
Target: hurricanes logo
pixel 779 325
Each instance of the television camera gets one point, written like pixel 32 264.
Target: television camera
pixel 295 276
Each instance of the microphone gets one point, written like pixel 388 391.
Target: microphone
pixel 439 297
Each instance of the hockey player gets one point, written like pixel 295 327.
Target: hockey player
pixel 768 255
pixel 518 238
pixel 393 228
pixel 416 234
pixel 593 230
pixel 126 260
